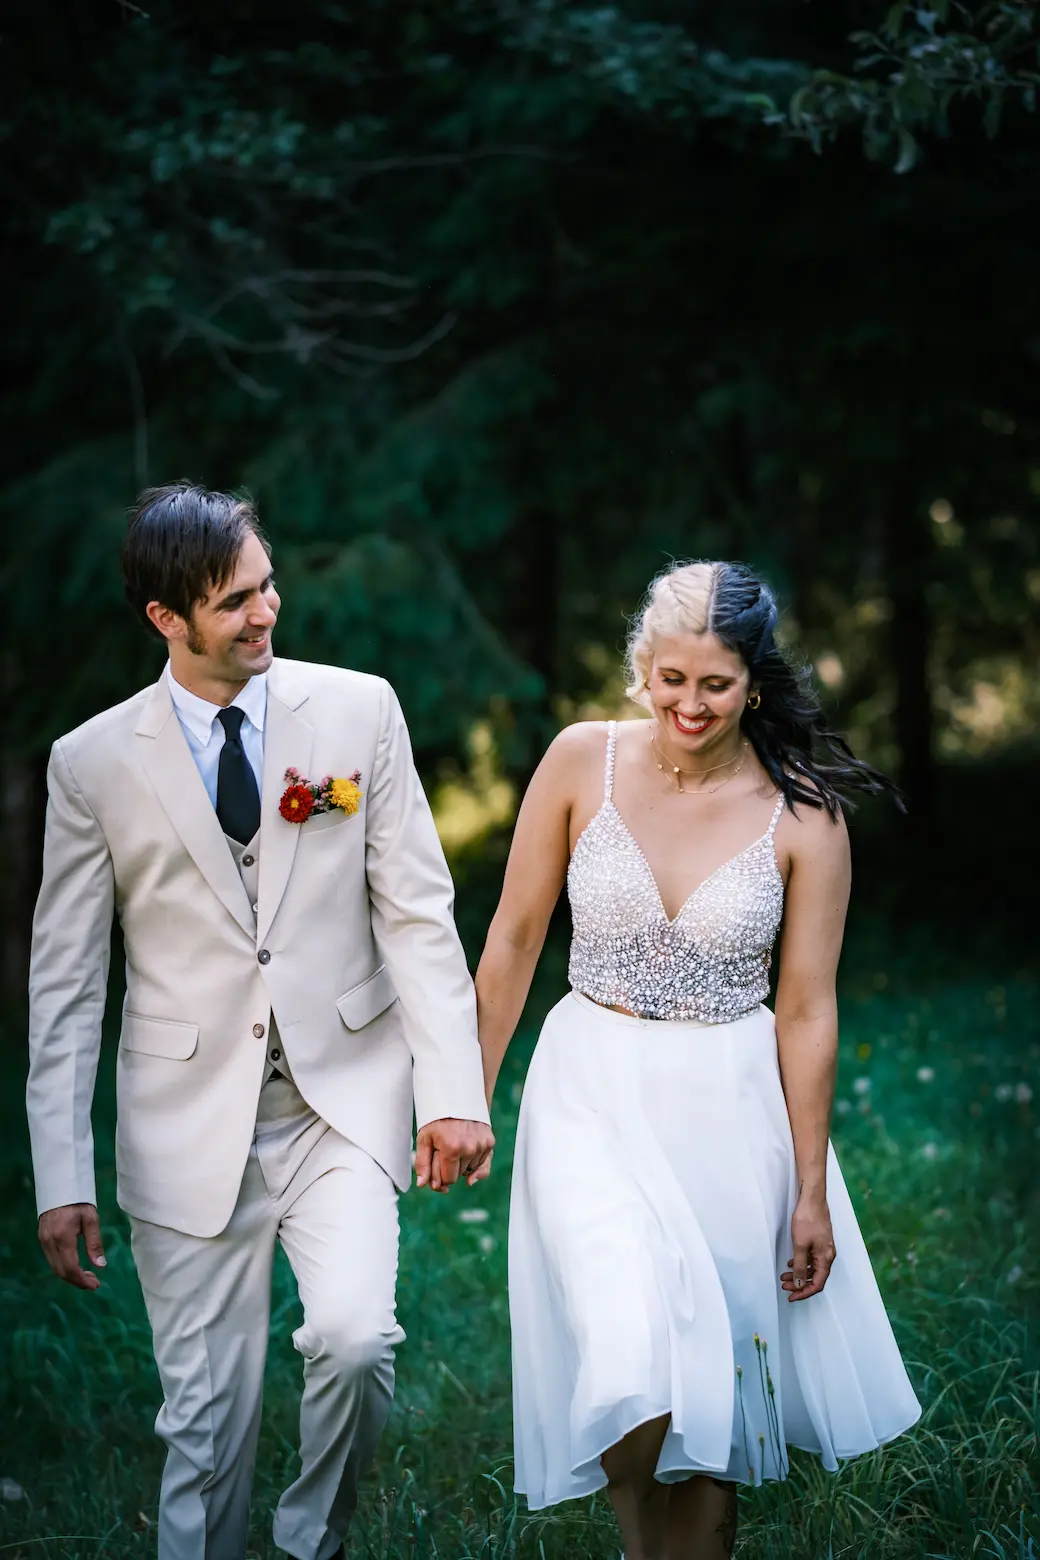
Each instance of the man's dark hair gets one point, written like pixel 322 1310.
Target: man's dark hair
pixel 181 542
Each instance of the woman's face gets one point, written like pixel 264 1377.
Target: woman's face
pixel 698 690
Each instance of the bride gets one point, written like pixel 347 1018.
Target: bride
pixel 689 1290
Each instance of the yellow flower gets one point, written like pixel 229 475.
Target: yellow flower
pixel 345 794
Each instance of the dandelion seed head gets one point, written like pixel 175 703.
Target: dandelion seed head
pixel 861 1086
pixel 925 1074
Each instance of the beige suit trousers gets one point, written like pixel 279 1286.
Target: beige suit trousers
pixel 335 1212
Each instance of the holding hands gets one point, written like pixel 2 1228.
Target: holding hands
pixel 449 1149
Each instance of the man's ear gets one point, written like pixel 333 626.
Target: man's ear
pixel 169 623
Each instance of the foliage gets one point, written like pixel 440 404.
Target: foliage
pixel 920 63
pixel 498 307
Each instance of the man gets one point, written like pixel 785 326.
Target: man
pixel 294 982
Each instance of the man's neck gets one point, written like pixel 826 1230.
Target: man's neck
pixel 214 690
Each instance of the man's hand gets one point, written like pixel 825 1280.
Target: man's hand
pixel 59 1231
pixel 448 1149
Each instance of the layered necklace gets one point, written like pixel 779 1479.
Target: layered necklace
pixel 706 790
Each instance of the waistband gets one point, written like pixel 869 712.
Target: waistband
pixel 634 1022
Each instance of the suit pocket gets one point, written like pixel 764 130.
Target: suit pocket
pixel 361 1004
pixel 159 1037
pixel 330 820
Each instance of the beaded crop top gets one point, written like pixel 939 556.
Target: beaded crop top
pixel 711 963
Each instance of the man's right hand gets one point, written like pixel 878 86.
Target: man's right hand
pixel 60 1230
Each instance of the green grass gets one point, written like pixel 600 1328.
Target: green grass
pixel 943 1172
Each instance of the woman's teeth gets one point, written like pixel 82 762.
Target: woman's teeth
pixel 692 726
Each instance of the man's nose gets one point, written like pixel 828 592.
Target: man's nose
pixel 264 612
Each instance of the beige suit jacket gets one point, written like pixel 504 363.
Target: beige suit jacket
pixel 353 947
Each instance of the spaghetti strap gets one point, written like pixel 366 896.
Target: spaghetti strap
pixel 777 810
pixel 608 776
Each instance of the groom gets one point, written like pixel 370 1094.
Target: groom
pixel 294 982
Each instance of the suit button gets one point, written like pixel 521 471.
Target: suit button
pixel 247 861
pixel 258 1030
pixel 276 1055
pixel 263 956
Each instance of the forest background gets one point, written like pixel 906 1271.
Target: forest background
pixel 497 308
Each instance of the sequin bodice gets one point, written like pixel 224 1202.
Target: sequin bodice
pixel 711 963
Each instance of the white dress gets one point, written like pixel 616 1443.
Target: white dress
pixel 653 1189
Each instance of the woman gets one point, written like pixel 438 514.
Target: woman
pixel 672 1151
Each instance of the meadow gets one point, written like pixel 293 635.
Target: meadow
pixel 937 1129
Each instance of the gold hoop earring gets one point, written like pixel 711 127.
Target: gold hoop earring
pixel 646 685
pixel 754 700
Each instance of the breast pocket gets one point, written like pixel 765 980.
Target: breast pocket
pixel 163 1037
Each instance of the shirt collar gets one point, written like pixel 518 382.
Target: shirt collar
pixel 199 715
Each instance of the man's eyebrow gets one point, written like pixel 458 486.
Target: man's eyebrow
pixel 233 597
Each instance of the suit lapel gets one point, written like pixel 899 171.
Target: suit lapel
pixel 168 761
pixel 288 741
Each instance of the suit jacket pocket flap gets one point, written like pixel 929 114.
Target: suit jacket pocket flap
pixel 159 1037
pixel 361 1004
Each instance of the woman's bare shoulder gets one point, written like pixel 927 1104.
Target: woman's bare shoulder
pixel 573 753
pixel 814 831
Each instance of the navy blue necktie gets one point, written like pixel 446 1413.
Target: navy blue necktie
pixel 238 799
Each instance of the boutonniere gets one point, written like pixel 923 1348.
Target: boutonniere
pixel 302 798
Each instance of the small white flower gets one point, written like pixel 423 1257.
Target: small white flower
pixel 925 1074
pixel 10 1489
pixel 842 1107
pixel 487 1243
pixel 911 1258
pixel 1023 1093
pixel 1014 1275
pixel 473 1216
pixel 930 1151
pixel 861 1085
pixel 1003 1092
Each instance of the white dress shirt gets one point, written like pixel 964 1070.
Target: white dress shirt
pixel 205 734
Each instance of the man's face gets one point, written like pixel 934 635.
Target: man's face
pixel 229 633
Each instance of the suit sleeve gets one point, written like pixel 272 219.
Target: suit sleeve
pixel 412 898
pixel 68 979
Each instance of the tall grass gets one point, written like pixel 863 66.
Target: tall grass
pixel 937 1130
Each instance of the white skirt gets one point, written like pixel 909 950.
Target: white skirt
pixel 653 1189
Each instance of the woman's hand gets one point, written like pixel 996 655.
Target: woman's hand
pixel 813 1240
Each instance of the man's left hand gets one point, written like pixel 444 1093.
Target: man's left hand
pixel 449 1149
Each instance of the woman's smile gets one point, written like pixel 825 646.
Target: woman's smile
pixel 691 726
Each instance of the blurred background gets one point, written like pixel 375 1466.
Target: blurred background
pixel 497 307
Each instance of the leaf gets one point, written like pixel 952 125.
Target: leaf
pixel 908 151
pixel 894 19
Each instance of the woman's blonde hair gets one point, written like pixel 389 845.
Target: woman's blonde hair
pixel 680 601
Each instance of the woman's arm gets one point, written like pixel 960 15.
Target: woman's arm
pixel 535 873
pixel 807 1028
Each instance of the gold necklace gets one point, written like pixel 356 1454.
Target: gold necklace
pixel 708 790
